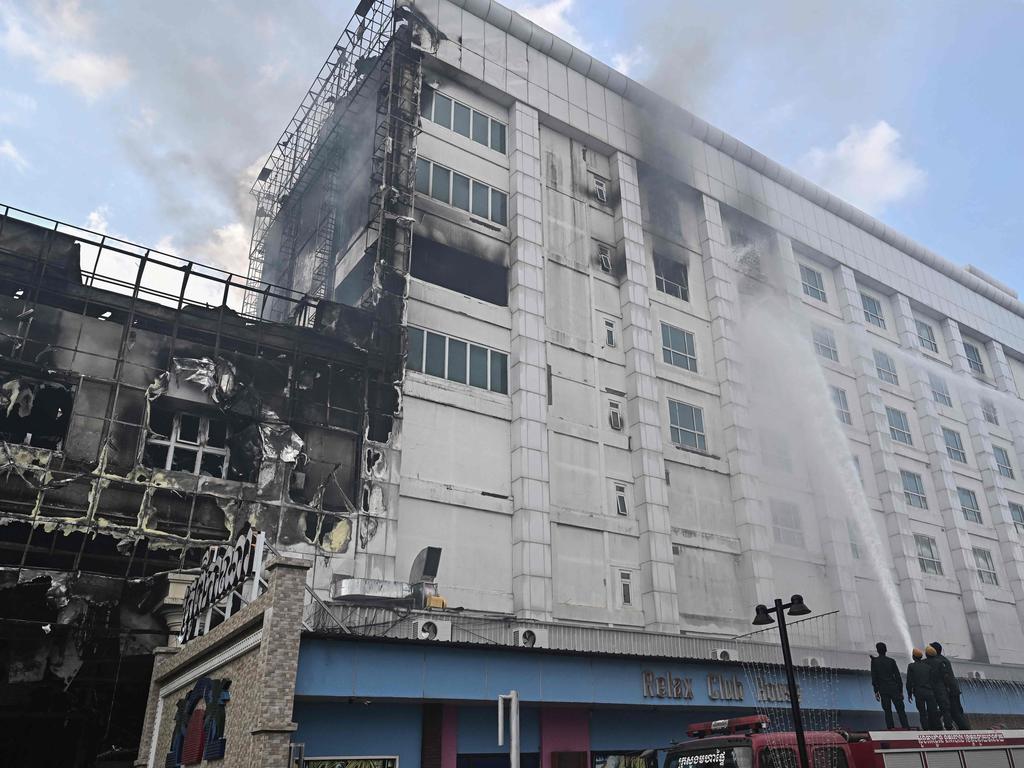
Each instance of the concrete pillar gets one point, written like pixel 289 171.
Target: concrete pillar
pixel 531 526
pixel 900 536
pixel 832 522
pixel 957 527
pixel 171 607
pixel 657 566
pixel 752 524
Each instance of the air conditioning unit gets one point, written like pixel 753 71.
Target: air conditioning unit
pixel 725 654
pixel 433 629
pixel 976 674
pixel 813 661
pixel 530 637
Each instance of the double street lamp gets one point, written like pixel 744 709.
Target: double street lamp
pixel 762 616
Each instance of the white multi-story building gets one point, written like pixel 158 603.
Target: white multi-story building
pixel 654 378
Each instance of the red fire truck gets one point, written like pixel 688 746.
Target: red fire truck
pixel 745 742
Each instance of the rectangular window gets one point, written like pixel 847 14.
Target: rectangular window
pixel 872 310
pixel 686 425
pixel 813 283
pixel 604 258
pixel 1003 461
pixel 615 416
pixel 986 568
pixel 940 392
pixel 609 333
pixel 442 110
pixel 1017 514
pixel 677 347
pixel 620 500
pixel 461 192
pixel 969 505
pixel 600 189
pixel 825 343
pixel 928 554
pixel 786 526
pixel 440 184
pixel 499 207
pixel 456 360
pixel 974 358
pixel 498 136
pixel 899 426
pixel 481 128
pixel 187 442
pixel 671 277
pixel 422 176
pixel 460 119
pixel 988 410
pixel 913 489
pixel 954 445
pixel 481 193
pixel 886 368
pixel 926 337
pixel 626 587
pixel 841 404
pixel 855 542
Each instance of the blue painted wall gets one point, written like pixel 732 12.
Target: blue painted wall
pixel 339 729
pixel 478 729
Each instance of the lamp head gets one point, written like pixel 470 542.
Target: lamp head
pixel 797 606
pixel 762 616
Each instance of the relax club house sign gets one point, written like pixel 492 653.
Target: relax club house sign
pixel 720 687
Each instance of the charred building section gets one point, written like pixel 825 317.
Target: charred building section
pixel 144 416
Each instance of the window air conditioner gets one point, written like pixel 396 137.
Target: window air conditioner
pixel 725 654
pixel 530 637
pixel 433 629
pixel 813 661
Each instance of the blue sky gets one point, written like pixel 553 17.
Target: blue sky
pixel 148 119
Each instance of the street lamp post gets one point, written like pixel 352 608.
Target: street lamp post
pixel 763 615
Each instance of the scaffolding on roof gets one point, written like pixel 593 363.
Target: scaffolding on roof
pixel 296 159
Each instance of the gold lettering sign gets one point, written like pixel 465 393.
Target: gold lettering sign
pixel 774 692
pixel 724 687
pixel 667 686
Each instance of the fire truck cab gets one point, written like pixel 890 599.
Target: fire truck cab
pixel 745 742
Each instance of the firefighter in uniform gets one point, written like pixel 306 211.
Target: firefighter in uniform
pixel 952 687
pixel 944 719
pixel 920 691
pixel 888 685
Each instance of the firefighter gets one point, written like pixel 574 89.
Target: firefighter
pixel 944 719
pixel 956 707
pixel 888 685
pixel 920 691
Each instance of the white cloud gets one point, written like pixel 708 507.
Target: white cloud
pixel 10 153
pixel 627 62
pixel 867 167
pixel 56 37
pixel 15 107
pixel 98 220
pixel 227 248
pixel 554 17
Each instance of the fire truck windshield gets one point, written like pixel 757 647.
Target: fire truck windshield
pixel 711 757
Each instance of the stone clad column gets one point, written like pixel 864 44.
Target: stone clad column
pixel 979 620
pixel 752 525
pixel 883 459
pixel 657 566
pixel 531 528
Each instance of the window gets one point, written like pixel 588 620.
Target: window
pixel 460 191
pixel 988 410
pixel 886 368
pixel 940 392
pixel 600 189
pixel 855 542
pixel 671 277
pixel 620 500
pixel 604 258
pixel 786 527
pixel 456 116
pixel 609 333
pixel 1003 461
pixel 974 358
pixel 913 489
pixel 969 505
pixel 825 343
pixel 687 425
pixel 954 445
pixel 457 360
pixel 926 336
pixel 677 347
pixel 928 554
pixel 899 426
pixel 615 415
pixel 626 587
pixel 986 568
pixel 187 442
pixel 813 284
pixel 1017 514
pixel 872 310
pixel 841 404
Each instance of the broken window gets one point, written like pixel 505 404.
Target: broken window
pixel 670 277
pixel 34 412
pixel 180 441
